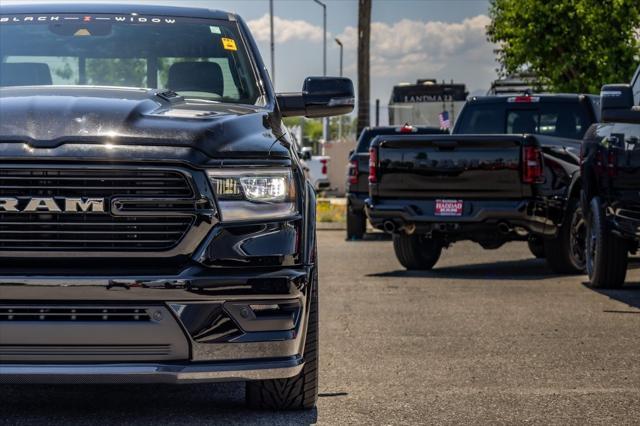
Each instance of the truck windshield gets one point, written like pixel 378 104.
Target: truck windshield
pixel 561 119
pixel 197 58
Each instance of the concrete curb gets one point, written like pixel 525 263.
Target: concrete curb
pixel 331 226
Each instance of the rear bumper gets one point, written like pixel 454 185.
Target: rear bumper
pixel 322 184
pixel 200 325
pixel 528 214
pixel 150 373
pixel 625 221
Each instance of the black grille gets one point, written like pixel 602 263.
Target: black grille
pixel 82 231
pixel 73 313
pixel 14 351
pixel 39 182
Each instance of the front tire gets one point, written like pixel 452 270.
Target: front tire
pixel 356 224
pixel 299 392
pixel 565 253
pixel 416 252
pixel 606 254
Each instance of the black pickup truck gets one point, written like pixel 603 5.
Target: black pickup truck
pixel 155 221
pixel 509 171
pixel 611 190
pixel 358 172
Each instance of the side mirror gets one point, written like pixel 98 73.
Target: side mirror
pixel 616 104
pixel 320 97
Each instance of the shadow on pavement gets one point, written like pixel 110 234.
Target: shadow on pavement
pixel 519 270
pixel 629 294
pixel 372 236
pixel 526 270
pixel 136 404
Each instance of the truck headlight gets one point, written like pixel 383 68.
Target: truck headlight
pixel 254 194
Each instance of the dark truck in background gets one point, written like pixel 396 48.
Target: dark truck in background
pixel 156 225
pixel 611 189
pixel 358 172
pixel 509 171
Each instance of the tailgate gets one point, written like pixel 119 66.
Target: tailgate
pixel 465 166
pixel 624 182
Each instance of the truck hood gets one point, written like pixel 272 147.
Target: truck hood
pixel 52 117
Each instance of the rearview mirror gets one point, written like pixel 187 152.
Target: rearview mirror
pixel 616 104
pixel 320 97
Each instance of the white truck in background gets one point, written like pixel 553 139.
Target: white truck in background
pixel 317 168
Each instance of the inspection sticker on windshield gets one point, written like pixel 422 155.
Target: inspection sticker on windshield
pixel 449 207
pixel 229 44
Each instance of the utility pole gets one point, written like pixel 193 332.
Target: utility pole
pixel 341 56
pixel 325 121
pixel 364 37
pixel 273 46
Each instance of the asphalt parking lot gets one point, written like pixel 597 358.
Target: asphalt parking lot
pixel 487 337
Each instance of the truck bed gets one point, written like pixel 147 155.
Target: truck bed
pixel 455 166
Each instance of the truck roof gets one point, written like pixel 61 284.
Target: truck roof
pixel 113 8
pixel 542 97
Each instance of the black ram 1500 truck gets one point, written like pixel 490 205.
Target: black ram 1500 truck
pixel 358 173
pixel 611 190
pixel 509 171
pixel 155 222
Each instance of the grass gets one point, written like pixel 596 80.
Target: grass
pixel 328 212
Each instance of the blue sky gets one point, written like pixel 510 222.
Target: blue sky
pixel 411 39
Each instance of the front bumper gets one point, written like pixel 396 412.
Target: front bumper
pixel 199 325
pixel 150 373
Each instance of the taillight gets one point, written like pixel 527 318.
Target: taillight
pixel 531 164
pixel 324 166
pixel 373 165
pixel 526 99
pixel 606 163
pixel 612 163
pixel 353 172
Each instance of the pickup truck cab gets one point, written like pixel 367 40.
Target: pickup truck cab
pixel 611 190
pixel 358 172
pixel 509 171
pixel 155 221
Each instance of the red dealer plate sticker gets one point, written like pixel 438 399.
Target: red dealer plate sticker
pixel 449 207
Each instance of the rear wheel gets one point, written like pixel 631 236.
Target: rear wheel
pixel 536 246
pixel 565 253
pixel 416 252
pixel 606 254
pixel 356 224
pixel 299 392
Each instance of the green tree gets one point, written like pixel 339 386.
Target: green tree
pixel 117 72
pixel 571 45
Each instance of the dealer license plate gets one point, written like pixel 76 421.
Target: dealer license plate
pixel 449 207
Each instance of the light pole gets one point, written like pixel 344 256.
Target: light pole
pixel 325 121
pixel 341 55
pixel 273 46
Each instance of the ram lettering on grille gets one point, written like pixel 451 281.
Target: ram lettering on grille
pixel 85 209
pixel 52 205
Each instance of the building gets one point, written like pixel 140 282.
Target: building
pixel 423 102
